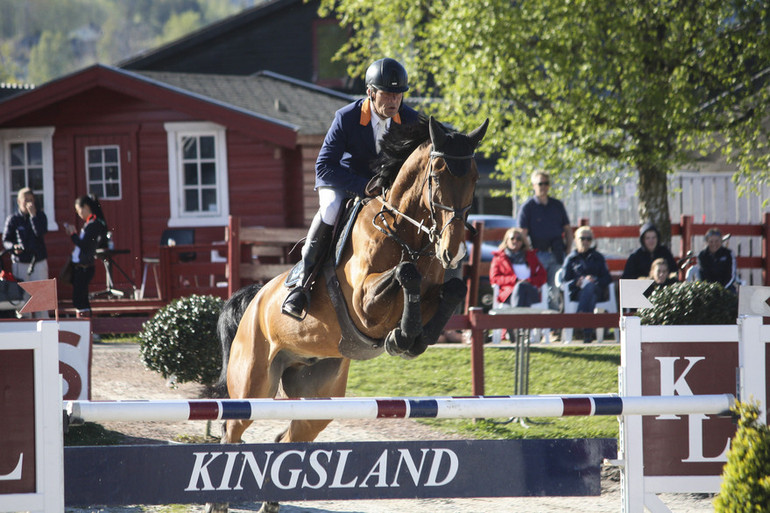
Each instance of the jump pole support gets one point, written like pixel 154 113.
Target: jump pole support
pixel 373 408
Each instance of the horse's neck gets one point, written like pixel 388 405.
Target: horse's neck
pixel 407 190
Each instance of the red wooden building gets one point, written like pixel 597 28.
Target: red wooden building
pixel 164 151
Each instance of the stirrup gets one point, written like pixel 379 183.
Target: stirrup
pixel 286 306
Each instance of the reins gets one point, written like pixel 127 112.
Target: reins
pixel 432 232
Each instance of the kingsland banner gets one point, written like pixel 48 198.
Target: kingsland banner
pixel 181 474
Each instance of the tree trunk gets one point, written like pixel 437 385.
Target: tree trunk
pixel 653 200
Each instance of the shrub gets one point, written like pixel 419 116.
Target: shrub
pixel 181 340
pixel 697 302
pixel 746 475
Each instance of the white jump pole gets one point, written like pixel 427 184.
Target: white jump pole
pixel 373 408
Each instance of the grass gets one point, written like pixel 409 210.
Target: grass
pixel 557 369
pixel 553 370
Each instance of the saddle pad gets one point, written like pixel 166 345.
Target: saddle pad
pixel 342 233
pixel 347 222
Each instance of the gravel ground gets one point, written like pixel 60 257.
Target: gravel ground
pixel 117 373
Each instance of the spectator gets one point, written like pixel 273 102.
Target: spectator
pixel 516 269
pixel 660 274
pixel 588 276
pixel 92 236
pixel 640 261
pixel 544 220
pixel 23 237
pixel 716 262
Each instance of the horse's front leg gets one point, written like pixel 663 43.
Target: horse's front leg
pixel 452 294
pixel 402 338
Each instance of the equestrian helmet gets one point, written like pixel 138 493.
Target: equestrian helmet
pixel 387 75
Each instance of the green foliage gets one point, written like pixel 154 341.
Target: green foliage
pixel 50 58
pixel 697 302
pixel 124 27
pixel 181 340
pixel 447 372
pixel 746 475
pixel 590 90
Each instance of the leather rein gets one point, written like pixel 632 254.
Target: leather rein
pixel 432 232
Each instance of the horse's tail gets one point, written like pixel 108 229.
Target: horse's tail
pixel 227 325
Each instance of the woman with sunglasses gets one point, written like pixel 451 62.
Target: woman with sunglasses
pixel 516 269
pixel 587 274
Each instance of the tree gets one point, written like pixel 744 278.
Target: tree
pixel 588 90
pixel 52 57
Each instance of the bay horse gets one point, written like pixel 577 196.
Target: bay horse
pixel 389 277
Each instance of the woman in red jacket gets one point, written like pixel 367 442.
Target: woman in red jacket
pixel 517 270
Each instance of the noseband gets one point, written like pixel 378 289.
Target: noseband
pixel 433 233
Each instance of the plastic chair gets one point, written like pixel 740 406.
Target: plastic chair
pixel 535 333
pixel 181 236
pixel 609 306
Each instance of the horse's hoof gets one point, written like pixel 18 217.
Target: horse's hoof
pixel 413 352
pixel 216 507
pixel 391 343
pixel 269 507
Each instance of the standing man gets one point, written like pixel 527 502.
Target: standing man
pixel 544 219
pixel 342 168
pixel 23 237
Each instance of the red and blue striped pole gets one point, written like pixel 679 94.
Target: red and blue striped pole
pixel 382 408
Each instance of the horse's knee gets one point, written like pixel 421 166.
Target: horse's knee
pixel 408 276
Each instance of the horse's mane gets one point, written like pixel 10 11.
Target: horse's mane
pixel 396 146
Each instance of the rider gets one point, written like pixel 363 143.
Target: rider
pixel 342 168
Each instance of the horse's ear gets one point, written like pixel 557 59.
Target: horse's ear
pixel 477 135
pixel 437 133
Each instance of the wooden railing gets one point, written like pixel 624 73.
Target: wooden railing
pixel 259 253
pixel 474 269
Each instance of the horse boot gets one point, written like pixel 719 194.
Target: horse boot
pixel 316 246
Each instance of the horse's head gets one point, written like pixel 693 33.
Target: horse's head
pixel 451 185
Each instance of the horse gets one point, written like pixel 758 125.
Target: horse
pixel 388 278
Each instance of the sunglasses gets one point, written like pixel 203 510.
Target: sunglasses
pixel 519 239
pixel 586 238
pixel 543 184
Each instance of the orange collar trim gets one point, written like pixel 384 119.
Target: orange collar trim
pixel 366 114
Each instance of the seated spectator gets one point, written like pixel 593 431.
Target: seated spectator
pixel 660 274
pixel 516 269
pixel 716 262
pixel 640 261
pixel 588 276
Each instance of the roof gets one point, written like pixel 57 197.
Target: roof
pixel 200 37
pixel 276 107
pixel 307 106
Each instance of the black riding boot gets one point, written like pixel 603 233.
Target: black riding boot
pixel 318 238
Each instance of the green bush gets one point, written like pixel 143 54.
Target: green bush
pixel 746 475
pixel 181 340
pixel 697 302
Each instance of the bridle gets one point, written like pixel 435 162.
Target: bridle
pixel 433 233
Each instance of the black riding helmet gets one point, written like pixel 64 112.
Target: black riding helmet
pixel 387 75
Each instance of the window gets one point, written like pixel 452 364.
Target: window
pixel 103 165
pixel 26 160
pixel 197 174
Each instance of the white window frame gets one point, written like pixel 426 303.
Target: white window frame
pixel 42 135
pixel 179 218
pixel 104 180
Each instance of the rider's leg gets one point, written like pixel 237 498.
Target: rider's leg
pixel 316 247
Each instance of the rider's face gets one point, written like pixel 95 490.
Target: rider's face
pixel 385 104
